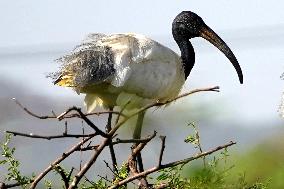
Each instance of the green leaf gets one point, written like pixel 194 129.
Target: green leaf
pixel 162 176
pixel 3 161
pixel 190 139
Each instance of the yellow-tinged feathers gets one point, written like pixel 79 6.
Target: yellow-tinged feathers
pixel 65 81
pixel 91 101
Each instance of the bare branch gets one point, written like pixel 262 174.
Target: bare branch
pixel 140 146
pixel 83 116
pixel 2 185
pixel 106 141
pixel 64 178
pixel 121 141
pixel 31 135
pixel 121 122
pixel 208 89
pixel 54 116
pixel 172 164
pixel 110 145
pixel 114 172
pixel 175 163
pixel 87 166
pixel 57 161
pixel 163 139
pixel 118 141
pixel 135 154
pixel 93 159
pixel 29 112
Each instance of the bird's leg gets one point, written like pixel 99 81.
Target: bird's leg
pixel 137 135
pixel 111 149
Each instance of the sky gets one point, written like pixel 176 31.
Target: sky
pixel 31 22
pixel 253 29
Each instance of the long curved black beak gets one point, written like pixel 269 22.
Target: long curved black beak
pixel 208 34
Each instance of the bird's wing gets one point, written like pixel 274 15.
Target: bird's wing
pixel 106 65
pixel 89 63
pixel 99 58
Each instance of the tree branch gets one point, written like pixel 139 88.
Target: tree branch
pixel 57 161
pixel 31 135
pixel 163 139
pixel 172 164
pixel 87 166
pixel 54 116
pixel 107 137
pixel 121 122
pixel 87 120
pixel 119 141
pixel 110 145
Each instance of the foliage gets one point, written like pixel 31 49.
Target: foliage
pixel 12 164
pixel 212 174
pixel 217 172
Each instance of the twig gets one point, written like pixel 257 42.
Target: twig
pixel 69 175
pixel 163 139
pixel 121 141
pixel 172 164
pixel 31 135
pixel 93 159
pixel 135 153
pixel 54 116
pixel 2 185
pixel 61 172
pixel 29 112
pixel 57 161
pixel 105 142
pixel 208 89
pixel 6 186
pixel 105 178
pixel 113 172
pixel 121 122
pixel 118 141
pixel 87 166
pixel 140 146
pixel 86 178
pixel 111 149
pixel 83 116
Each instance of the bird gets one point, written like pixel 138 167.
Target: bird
pixel 115 69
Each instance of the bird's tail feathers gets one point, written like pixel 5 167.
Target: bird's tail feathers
pixel 91 101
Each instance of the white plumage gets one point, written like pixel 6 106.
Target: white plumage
pixel 145 71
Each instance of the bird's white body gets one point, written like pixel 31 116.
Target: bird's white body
pixel 144 71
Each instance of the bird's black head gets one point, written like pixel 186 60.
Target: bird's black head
pixel 188 25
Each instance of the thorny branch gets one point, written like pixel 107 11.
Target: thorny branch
pixel 107 140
